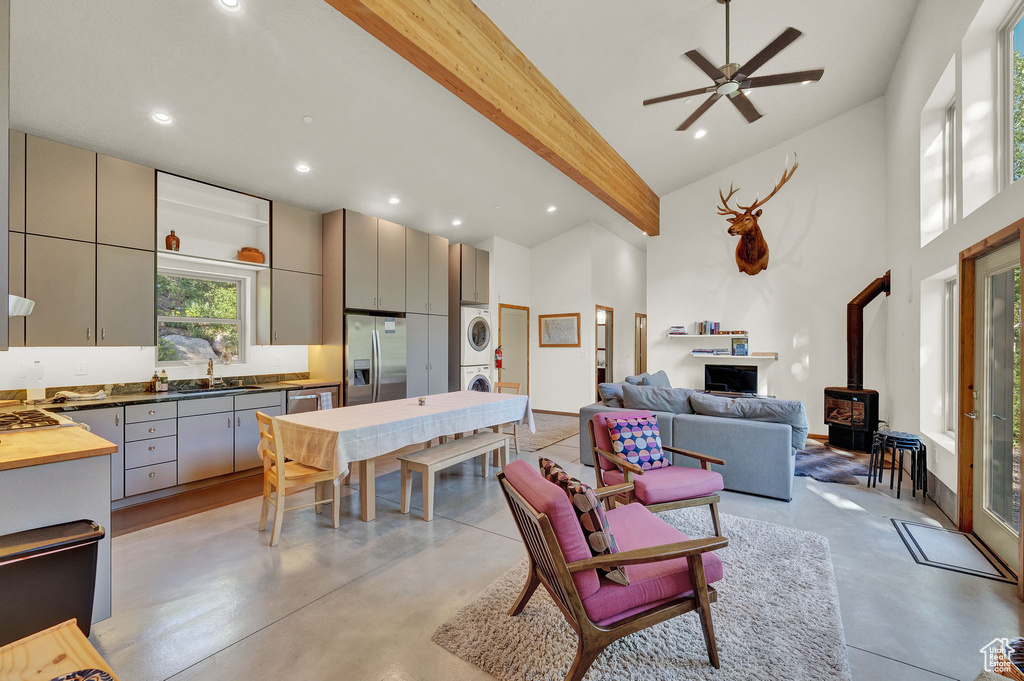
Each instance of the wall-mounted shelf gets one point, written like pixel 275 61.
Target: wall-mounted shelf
pixel 173 257
pixel 206 210
pixel 706 335
pixel 735 358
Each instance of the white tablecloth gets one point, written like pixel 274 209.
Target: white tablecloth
pixel 338 437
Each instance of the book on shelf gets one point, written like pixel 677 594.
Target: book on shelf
pixel 740 346
pixel 677 331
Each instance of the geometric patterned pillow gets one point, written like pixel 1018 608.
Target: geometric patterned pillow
pixel 638 441
pixel 590 515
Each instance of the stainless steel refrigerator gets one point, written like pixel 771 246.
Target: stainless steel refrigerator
pixel 374 358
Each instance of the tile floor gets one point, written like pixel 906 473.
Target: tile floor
pixel 203 597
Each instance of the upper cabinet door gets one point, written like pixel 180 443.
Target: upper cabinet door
pixel 483 276
pixel 60 276
pixel 390 266
pixel 297 239
pixel 361 261
pixel 468 274
pixel 16 163
pixel 417 268
pixel 16 281
pixel 438 287
pixel 125 296
pixel 125 204
pixel 60 190
pixel 296 308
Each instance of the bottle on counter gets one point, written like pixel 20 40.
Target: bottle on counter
pixel 163 381
pixel 172 242
pixel 154 383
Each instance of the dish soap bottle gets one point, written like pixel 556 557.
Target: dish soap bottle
pixel 163 380
pixel 172 242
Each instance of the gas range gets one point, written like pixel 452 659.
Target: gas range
pixel 30 419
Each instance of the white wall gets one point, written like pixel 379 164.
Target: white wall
pixel 619 281
pixel 826 233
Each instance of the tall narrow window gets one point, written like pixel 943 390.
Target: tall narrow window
pixel 950 156
pixel 1015 40
pixel 950 349
pixel 199 317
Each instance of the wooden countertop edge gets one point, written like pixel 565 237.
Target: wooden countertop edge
pixel 17 450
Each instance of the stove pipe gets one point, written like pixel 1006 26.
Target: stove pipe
pixel 855 330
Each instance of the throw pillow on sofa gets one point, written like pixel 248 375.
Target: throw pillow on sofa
pixel 590 515
pixel 672 400
pixel 658 380
pixel 638 441
pixel 611 394
pixel 756 409
pixel 638 379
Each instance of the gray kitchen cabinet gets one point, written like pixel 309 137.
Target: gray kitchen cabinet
pixel 467 261
pixel 483 276
pixel 60 276
pixel 417 272
pixel 297 239
pixel 390 266
pixel 417 355
pixel 205 446
pixel 437 354
pixel 16 166
pixel 247 437
pixel 60 190
pixel 125 294
pixel 16 283
pixel 125 204
pixel 107 423
pixel 296 308
pixel 437 247
pixel 360 261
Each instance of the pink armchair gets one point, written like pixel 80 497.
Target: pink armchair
pixel 659 489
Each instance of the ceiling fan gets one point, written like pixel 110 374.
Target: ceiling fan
pixel 732 79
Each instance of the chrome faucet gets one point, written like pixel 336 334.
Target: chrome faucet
pixel 211 382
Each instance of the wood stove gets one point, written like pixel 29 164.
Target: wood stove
pixel 851 413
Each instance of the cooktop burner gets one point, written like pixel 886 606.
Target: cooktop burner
pixel 29 418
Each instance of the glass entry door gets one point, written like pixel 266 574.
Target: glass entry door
pixel 997 402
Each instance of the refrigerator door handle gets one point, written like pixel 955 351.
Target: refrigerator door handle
pixel 375 367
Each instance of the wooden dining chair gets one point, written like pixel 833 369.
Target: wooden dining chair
pixel 289 477
pixel 510 388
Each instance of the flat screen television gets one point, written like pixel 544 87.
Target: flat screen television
pixel 730 378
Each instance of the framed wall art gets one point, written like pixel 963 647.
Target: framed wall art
pixel 559 330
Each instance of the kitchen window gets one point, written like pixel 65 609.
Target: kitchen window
pixel 199 317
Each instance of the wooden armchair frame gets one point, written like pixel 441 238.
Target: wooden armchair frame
pixel 630 469
pixel 548 567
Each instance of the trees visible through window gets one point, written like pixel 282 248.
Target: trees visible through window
pixel 1016 36
pixel 199 318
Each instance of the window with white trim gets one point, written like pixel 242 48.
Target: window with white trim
pixel 950 349
pixel 1013 41
pixel 950 157
pixel 199 317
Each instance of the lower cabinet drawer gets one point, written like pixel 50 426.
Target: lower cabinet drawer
pixel 150 429
pixel 150 478
pixel 149 452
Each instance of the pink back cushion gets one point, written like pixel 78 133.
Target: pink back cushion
pixel 601 439
pixel 548 498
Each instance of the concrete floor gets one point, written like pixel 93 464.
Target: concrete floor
pixel 205 598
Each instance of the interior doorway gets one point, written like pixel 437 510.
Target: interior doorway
pixel 640 344
pixel 514 340
pixel 604 344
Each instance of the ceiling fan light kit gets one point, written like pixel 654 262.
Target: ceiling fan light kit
pixel 732 79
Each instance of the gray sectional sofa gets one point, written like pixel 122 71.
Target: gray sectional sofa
pixel 758 450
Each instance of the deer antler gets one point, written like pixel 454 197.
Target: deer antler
pixel 724 208
pixel 785 178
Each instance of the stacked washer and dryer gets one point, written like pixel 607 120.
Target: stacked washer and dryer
pixel 477 350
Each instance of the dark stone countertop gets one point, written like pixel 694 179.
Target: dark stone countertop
pixel 144 398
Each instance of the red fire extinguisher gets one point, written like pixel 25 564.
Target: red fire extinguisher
pixel 498 354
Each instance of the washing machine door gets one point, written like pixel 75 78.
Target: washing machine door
pixel 480 383
pixel 478 334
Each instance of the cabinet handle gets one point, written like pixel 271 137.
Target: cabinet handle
pixel 88 333
pixel 103 333
pixel 238 421
pixel 229 422
pixel 152 430
pixel 117 419
pixel 152 475
pixel 275 335
pixel 152 448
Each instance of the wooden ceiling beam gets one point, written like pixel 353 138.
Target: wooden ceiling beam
pixel 456 44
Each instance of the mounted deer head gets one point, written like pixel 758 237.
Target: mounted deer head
pixel 752 250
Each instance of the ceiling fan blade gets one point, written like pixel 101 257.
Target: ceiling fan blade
pixel 740 101
pixel 772 49
pixel 679 95
pixel 784 78
pixel 705 65
pixel 699 112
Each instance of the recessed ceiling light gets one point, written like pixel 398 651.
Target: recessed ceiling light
pixel 302 167
pixel 307 119
pixel 231 5
pixel 456 222
pixel 161 118
pixel 394 199
pixel 552 209
pixel 700 133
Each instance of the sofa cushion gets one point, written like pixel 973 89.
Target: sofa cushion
pixel 637 528
pixel 611 394
pixel 548 498
pixel 638 441
pixel 590 515
pixel 790 412
pixel 601 438
pixel 658 380
pixel 638 379
pixel 673 400
pixel 670 484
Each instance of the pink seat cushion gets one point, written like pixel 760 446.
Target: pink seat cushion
pixel 601 438
pixel 670 484
pixel 649 583
pixel 548 498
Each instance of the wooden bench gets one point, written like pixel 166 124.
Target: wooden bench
pixel 432 459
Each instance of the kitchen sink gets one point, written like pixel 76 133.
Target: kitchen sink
pixel 220 390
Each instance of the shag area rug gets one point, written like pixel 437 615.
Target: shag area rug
pixel 825 464
pixel 777 617
pixel 551 428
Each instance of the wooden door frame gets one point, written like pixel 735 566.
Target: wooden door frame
pixel 636 342
pixel 607 354
pixel 967 355
pixel 503 306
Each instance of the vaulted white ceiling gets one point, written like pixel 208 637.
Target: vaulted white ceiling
pixel 238 85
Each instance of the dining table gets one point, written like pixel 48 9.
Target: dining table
pixel 336 439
